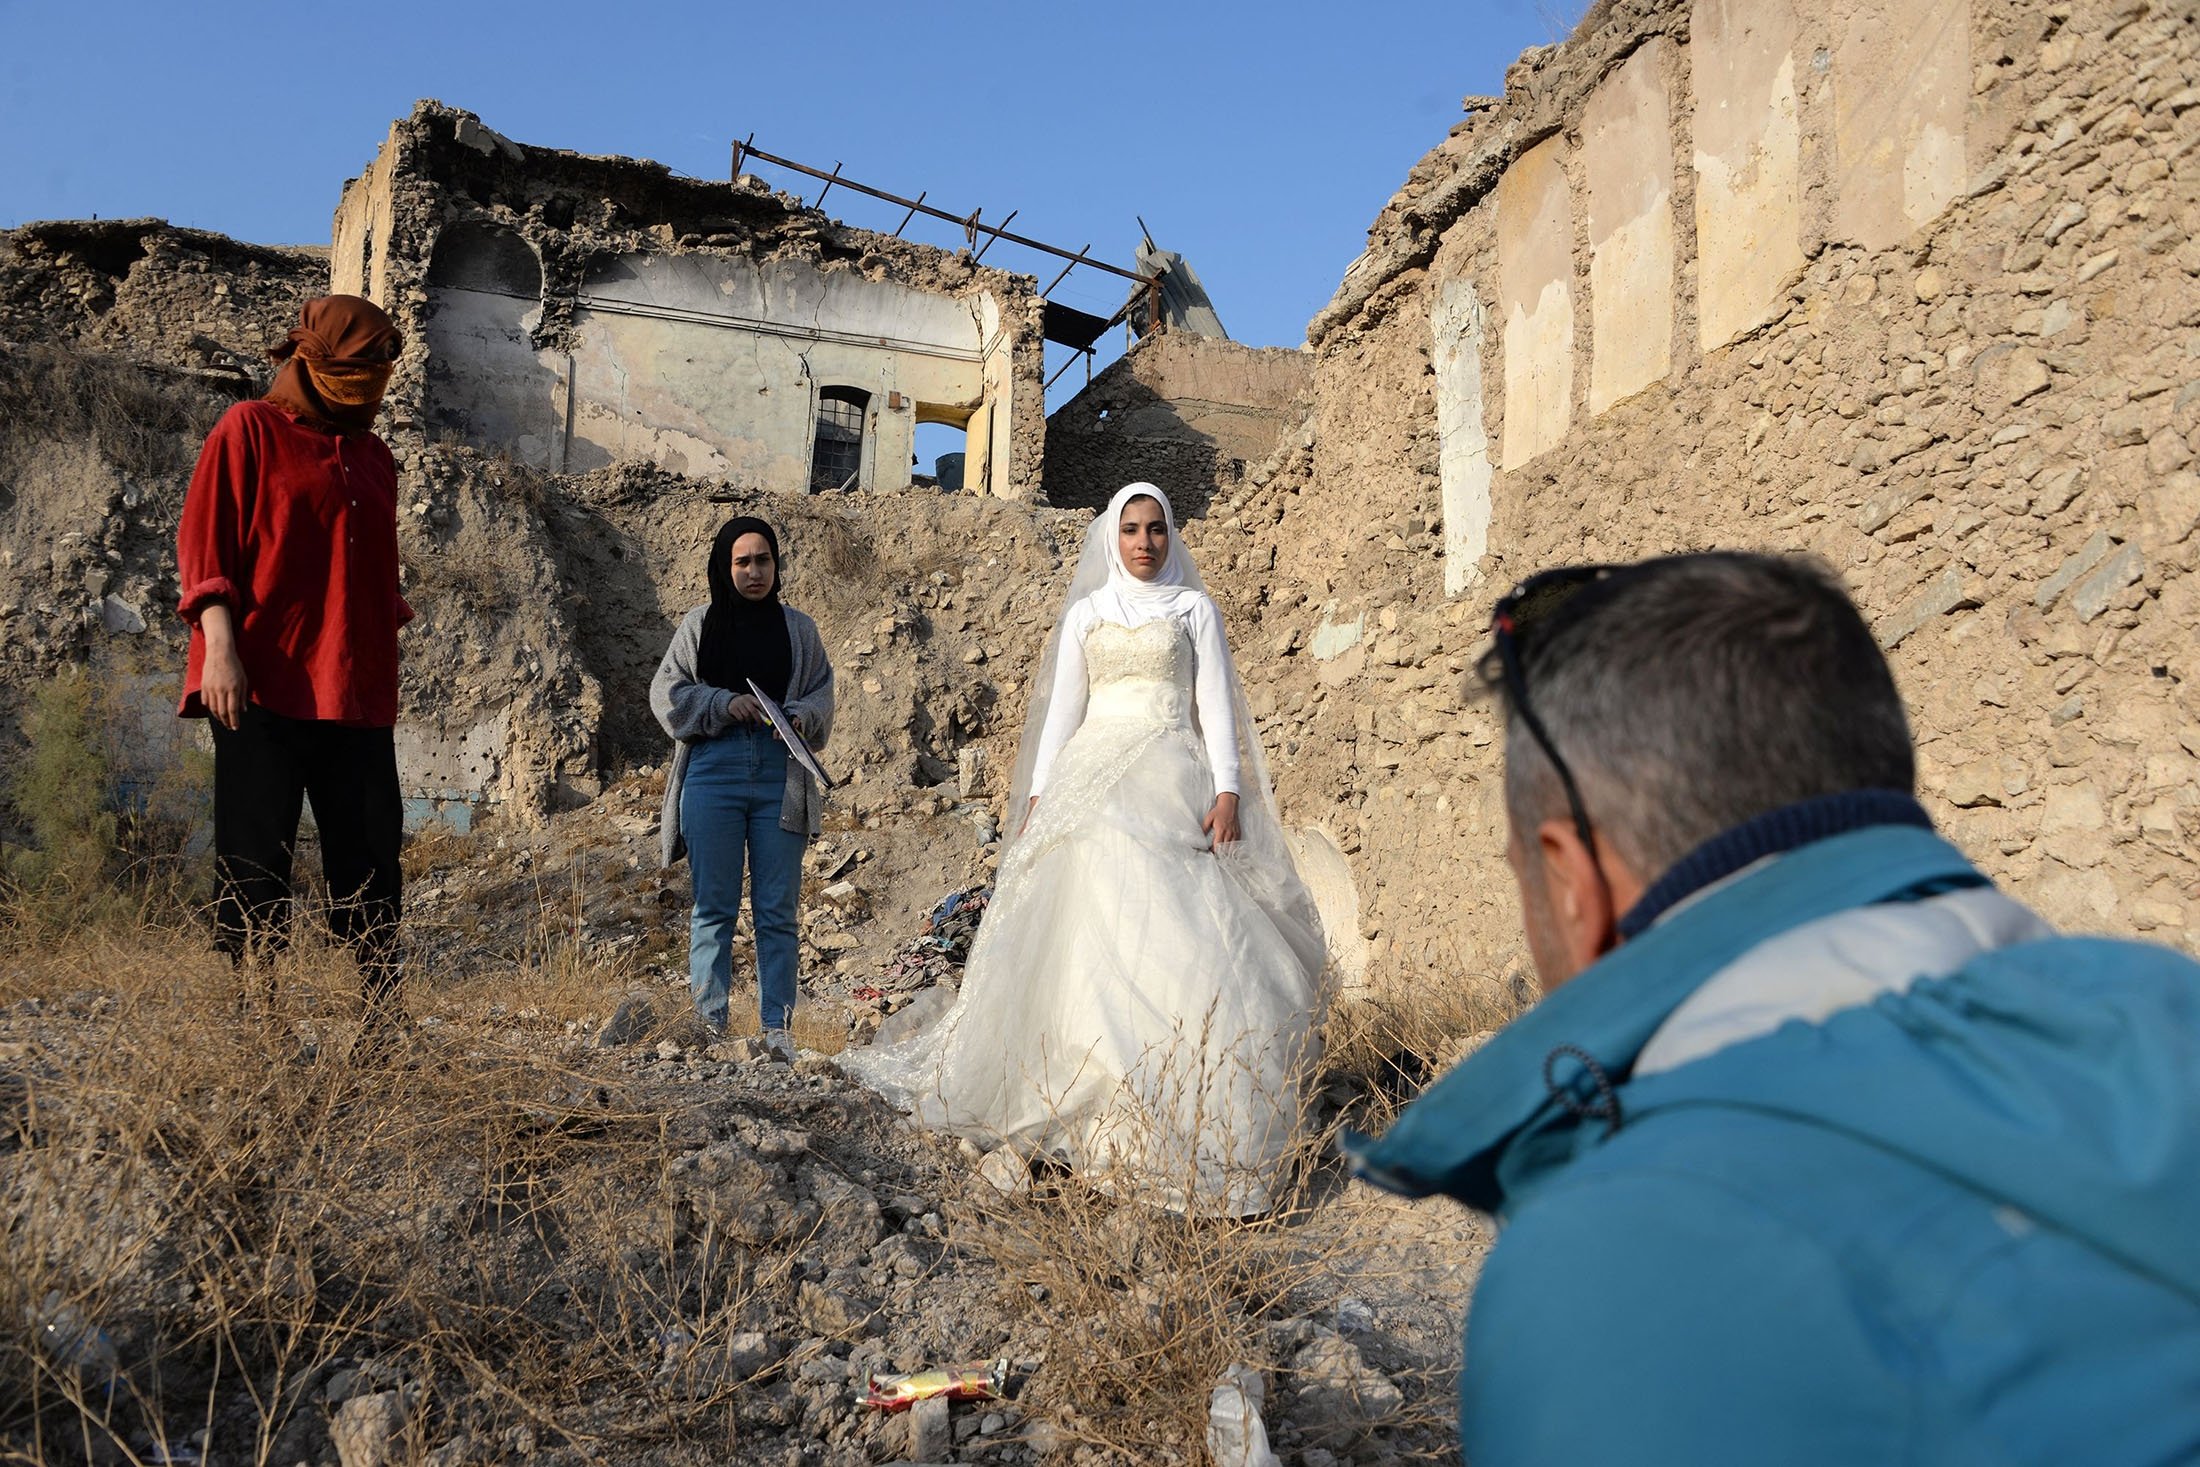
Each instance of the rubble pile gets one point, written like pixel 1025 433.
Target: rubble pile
pixel 670 1248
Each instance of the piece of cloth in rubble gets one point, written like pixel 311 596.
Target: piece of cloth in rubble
pixel 335 364
pixel 744 640
pixel 1868 1166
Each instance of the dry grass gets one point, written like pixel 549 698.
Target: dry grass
pixel 240 1204
pixel 246 1207
pixel 246 1203
pixel 1390 1045
pixel 1152 1305
pixel 148 425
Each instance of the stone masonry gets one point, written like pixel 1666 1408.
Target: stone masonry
pixel 1183 411
pixel 1912 288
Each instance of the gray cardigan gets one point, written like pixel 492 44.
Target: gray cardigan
pixel 692 711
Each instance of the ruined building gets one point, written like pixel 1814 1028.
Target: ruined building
pixel 573 311
pixel 1185 411
pixel 1912 285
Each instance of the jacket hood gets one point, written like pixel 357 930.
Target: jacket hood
pixel 2061 1077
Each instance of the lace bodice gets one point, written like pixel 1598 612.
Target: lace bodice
pixel 1167 669
pixel 1157 651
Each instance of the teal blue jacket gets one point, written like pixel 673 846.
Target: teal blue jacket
pixel 1959 1223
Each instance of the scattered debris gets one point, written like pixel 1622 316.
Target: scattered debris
pixel 981 1381
pixel 1236 1436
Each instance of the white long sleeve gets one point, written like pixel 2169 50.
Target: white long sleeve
pixel 1210 686
pixel 1066 702
pixel 1211 693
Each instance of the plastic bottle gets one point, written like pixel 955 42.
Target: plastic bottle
pixel 76 1343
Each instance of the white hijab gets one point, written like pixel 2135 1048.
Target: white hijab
pixel 1127 599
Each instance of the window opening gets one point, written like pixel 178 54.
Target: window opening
pixel 837 455
pixel 938 448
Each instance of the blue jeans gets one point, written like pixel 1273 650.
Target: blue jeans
pixel 729 809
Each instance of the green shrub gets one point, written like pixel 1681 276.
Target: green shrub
pixel 112 794
pixel 60 793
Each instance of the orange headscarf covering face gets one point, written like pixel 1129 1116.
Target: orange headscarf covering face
pixel 336 362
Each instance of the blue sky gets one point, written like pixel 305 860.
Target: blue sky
pixel 1258 140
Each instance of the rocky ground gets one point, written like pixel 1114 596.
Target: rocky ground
pixel 548 1223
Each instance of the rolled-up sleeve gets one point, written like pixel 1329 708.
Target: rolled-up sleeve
pixel 211 561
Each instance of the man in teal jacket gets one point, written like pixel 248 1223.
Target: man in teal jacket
pixel 1819 1149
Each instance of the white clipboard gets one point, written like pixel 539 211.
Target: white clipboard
pixel 791 737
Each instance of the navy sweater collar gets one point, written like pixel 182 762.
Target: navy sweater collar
pixel 1770 834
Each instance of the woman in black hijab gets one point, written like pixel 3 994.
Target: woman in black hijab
pixel 735 799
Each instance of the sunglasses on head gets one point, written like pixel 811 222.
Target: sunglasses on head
pixel 1528 611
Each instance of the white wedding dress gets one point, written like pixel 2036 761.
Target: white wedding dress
pixel 1136 1005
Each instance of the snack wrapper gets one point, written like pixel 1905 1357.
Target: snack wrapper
pixel 977 1381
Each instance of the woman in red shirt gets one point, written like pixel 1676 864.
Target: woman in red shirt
pixel 287 557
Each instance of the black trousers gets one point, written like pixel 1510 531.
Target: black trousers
pixel 262 773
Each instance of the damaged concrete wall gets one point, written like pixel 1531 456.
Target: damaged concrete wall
pixel 1912 288
pixel 574 311
pixel 1182 411
pixel 573 319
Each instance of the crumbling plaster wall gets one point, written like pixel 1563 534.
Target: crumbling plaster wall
pixel 581 323
pixel 687 324
pixel 708 364
pixel 1972 385
pixel 1182 411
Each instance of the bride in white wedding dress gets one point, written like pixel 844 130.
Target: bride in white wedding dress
pixel 1142 999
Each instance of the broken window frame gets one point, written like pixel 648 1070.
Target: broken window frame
pixel 836 439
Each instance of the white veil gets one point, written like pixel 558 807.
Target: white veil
pixel 1262 858
pixel 1058 1031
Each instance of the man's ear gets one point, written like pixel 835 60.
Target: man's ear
pixel 1584 911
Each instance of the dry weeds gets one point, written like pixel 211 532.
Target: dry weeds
pixel 520 1245
pixel 240 1198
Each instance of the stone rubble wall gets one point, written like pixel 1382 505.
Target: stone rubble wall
pixel 183 300
pixel 1186 412
pixel 1912 288
pixel 121 343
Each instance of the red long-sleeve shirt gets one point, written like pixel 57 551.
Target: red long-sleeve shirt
pixel 296 530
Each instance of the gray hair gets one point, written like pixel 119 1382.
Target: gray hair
pixel 1692 693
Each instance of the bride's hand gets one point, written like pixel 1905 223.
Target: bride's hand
pixel 1221 824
